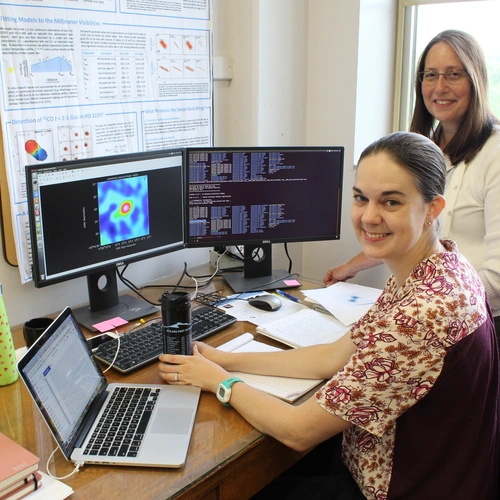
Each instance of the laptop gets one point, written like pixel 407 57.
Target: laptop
pixel 81 408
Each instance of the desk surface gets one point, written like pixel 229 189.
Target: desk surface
pixel 227 458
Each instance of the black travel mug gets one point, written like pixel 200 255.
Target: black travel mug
pixel 176 323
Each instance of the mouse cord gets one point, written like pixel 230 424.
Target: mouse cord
pixel 74 471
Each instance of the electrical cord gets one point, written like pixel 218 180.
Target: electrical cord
pixel 116 353
pixel 74 471
pixel 132 287
pixel 289 258
pixel 205 281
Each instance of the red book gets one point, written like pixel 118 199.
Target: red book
pixel 29 484
pixel 15 462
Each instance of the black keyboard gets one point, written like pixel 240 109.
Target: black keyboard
pixel 146 344
pixel 121 428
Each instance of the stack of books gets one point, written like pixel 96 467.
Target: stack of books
pixel 19 474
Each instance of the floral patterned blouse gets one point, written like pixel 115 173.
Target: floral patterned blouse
pixel 401 346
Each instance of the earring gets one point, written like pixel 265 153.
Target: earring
pixel 429 223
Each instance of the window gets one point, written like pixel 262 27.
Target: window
pixel 420 21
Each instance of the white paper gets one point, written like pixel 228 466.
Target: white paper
pixel 243 311
pixel 305 328
pixel 348 302
pixel 51 489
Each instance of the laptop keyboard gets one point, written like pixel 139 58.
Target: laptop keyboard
pixel 121 428
pixel 146 344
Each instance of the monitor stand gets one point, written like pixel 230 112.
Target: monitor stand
pixel 258 273
pixel 106 304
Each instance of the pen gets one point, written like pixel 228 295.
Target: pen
pixel 287 295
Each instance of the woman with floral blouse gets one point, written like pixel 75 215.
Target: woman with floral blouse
pixel 414 384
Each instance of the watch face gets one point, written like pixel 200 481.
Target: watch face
pixel 223 394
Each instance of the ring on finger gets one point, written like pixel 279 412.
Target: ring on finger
pixel 176 376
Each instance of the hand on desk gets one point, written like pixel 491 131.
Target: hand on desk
pixel 198 369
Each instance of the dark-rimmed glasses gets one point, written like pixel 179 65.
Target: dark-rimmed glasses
pixel 454 76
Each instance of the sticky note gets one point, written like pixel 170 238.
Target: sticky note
pixel 291 282
pixel 110 324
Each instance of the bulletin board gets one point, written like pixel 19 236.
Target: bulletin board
pixel 96 79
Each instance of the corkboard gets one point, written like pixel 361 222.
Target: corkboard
pixel 8 240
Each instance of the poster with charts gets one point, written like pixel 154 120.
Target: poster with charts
pixel 89 78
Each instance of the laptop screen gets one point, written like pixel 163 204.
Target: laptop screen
pixel 63 378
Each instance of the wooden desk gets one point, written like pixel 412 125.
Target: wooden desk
pixel 228 459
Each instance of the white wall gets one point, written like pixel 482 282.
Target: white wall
pixel 314 72
pixel 310 72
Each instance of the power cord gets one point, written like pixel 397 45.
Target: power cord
pixel 74 471
pixel 204 281
pixel 116 353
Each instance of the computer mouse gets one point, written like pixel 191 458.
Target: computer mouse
pixel 265 302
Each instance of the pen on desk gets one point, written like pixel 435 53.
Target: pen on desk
pixel 287 295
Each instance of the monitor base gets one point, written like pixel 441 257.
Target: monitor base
pixel 128 308
pixel 240 284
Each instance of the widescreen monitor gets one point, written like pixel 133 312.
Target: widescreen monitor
pixel 89 216
pixel 258 196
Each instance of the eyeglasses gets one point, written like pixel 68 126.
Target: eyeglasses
pixel 454 76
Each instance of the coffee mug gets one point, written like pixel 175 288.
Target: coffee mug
pixel 33 328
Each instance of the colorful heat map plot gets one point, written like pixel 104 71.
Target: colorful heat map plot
pixel 123 209
pixel 34 149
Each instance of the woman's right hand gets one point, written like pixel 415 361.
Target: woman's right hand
pixel 338 273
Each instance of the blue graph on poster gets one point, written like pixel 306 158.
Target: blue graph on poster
pixel 54 65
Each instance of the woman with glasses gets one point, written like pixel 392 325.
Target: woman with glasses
pixel 413 386
pixel 452 109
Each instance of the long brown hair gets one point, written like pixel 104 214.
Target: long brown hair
pixel 478 122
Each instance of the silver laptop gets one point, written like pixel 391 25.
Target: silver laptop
pixel 100 423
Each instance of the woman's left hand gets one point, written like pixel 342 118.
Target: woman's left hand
pixel 192 370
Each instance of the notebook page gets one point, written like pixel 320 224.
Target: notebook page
pixel 286 388
pixel 306 327
pixel 236 343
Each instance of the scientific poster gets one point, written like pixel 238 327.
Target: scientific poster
pixel 88 78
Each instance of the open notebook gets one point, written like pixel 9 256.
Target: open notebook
pixel 81 409
pixel 286 388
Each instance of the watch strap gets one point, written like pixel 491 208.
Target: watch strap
pixel 228 383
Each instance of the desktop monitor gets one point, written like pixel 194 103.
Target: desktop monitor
pixel 89 216
pixel 257 196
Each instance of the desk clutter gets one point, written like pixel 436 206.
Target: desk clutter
pixel 203 460
pixel 144 345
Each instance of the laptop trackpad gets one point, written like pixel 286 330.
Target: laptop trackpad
pixel 172 421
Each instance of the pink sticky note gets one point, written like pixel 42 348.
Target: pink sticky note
pixel 110 324
pixel 291 282
pixel 104 326
pixel 118 321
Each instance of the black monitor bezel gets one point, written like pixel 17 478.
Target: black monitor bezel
pixel 259 241
pixel 92 162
